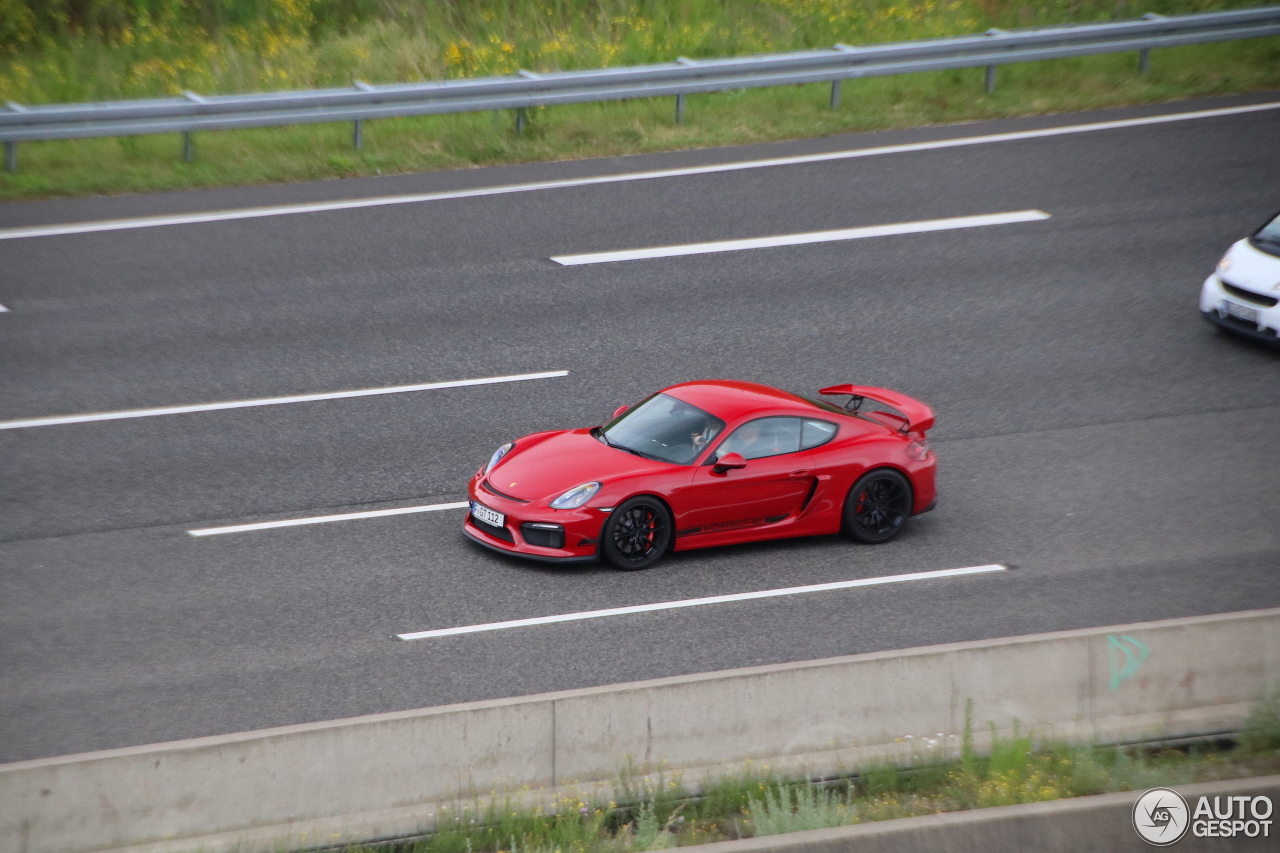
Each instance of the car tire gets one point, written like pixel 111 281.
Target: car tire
pixel 637 533
pixel 877 506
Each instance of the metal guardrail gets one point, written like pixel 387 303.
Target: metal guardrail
pixel 192 112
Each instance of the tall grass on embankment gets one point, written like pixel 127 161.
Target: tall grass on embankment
pixel 657 811
pixel 58 51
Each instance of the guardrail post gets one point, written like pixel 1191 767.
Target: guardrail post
pixel 521 121
pixel 1144 55
pixel 11 157
pixel 989 84
pixel 835 94
pixel 357 135
pixel 188 147
pixel 687 62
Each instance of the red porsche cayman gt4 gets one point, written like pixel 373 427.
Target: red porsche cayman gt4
pixel 708 463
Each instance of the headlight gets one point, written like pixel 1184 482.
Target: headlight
pixel 1224 264
pixel 576 496
pixel 498 454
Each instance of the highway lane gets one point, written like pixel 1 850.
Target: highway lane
pixel 344 295
pixel 1093 431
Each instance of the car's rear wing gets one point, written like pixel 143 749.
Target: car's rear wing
pixel 919 417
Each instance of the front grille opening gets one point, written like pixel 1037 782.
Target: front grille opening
pixel 498 532
pixel 1250 296
pixel 543 535
pixel 1249 325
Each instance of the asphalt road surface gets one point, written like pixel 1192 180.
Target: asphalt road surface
pixel 1092 430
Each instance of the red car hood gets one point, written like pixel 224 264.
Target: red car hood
pixel 546 468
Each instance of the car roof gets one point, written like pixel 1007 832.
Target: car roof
pixel 731 400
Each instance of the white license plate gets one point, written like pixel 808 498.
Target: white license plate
pixel 488 516
pixel 1240 311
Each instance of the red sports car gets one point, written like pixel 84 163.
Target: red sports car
pixel 708 463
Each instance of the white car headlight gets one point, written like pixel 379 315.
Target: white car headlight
pixel 498 454
pixel 1225 263
pixel 576 496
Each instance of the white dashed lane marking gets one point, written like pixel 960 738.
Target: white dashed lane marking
pixel 921 227
pixel 325 519
pixel 698 602
pixel 271 401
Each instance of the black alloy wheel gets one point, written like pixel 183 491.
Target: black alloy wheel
pixel 636 534
pixel 877 506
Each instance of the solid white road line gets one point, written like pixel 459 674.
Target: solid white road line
pixel 351 204
pixel 696 602
pixel 325 519
pixel 801 239
pixel 271 401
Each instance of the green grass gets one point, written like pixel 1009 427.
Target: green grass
pixel 657 811
pixel 104 49
pixel 316 152
pixel 114 50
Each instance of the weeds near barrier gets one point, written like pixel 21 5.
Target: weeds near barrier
pixel 1261 732
pixel 656 811
pixel 782 810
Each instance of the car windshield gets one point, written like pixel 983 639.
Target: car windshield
pixel 1267 238
pixel 663 428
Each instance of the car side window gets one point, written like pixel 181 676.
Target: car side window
pixel 762 437
pixel 814 433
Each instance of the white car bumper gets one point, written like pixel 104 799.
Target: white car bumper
pixel 1256 315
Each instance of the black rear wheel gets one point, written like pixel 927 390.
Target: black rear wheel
pixel 877 506
pixel 636 534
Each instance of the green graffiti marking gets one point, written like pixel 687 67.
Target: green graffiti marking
pixel 1130 651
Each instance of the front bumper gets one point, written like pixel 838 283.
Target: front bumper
pixel 1265 329
pixel 487 541
pixel 581 528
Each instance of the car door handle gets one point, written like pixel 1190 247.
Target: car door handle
pixel 801 475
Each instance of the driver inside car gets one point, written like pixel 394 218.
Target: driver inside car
pixel 700 440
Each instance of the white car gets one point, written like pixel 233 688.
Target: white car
pixel 1243 293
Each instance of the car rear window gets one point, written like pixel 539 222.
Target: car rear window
pixel 815 433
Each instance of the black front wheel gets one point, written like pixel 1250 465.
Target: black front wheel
pixel 877 506
pixel 636 534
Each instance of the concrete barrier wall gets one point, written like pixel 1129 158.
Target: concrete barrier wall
pixel 388 774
